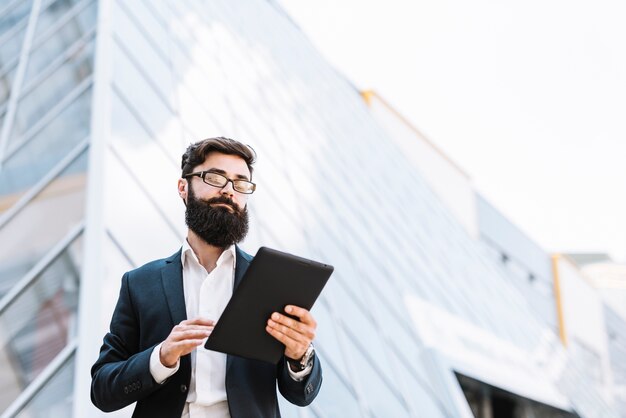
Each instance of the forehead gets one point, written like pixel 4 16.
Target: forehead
pixel 231 165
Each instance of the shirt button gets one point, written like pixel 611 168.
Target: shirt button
pixel 183 388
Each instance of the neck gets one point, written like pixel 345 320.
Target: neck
pixel 207 254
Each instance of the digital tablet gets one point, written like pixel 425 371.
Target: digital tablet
pixel 273 280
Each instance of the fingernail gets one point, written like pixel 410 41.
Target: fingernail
pixel 288 309
pixel 275 316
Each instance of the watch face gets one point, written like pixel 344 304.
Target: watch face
pixel 308 356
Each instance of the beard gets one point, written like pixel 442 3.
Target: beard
pixel 216 225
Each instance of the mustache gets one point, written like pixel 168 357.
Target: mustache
pixel 224 200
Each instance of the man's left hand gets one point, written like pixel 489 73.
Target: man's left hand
pixel 295 334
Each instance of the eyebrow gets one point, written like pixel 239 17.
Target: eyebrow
pixel 219 171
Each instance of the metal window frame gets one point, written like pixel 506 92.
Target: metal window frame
pixel 9 117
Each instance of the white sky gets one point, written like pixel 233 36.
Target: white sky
pixel 528 97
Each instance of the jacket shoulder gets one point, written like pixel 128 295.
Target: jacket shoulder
pixel 153 267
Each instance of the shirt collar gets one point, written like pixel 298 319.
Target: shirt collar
pixel 187 252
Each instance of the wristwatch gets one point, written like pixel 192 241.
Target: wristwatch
pixel 299 365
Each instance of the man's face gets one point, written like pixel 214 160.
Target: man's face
pixel 218 215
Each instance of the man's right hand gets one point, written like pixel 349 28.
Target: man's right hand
pixel 183 339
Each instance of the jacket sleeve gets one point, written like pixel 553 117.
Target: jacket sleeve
pixel 121 375
pixel 299 393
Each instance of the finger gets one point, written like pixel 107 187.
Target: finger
pixel 181 328
pixel 304 315
pixel 200 320
pixel 189 335
pixel 187 346
pixel 293 324
pixel 290 343
pixel 296 335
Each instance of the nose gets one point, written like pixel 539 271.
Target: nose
pixel 228 188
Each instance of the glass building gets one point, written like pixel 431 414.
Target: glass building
pixel 439 307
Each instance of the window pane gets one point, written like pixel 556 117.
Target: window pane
pixel 16 14
pixel 30 234
pixel 334 398
pixel 52 46
pixel 383 399
pixel 36 326
pixel 55 398
pixel 58 84
pixel 50 144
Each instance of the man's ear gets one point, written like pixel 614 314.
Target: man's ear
pixel 183 186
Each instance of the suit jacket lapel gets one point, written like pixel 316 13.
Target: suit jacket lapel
pixel 172 281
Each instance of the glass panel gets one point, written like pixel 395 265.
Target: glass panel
pixel 155 110
pixel 146 160
pixel 6 83
pixel 31 234
pixel 11 47
pixel 335 399
pixel 57 85
pixel 154 64
pixel 55 399
pixel 47 147
pixel 379 395
pixel 15 14
pixel 128 223
pixel 361 324
pixel 37 325
pixel 326 334
pixel 49 48
pixel 52 14
pixel 416 387
pixel 287 409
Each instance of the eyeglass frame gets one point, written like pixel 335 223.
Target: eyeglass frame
pixel 202 175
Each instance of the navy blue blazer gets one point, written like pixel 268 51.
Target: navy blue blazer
pixel 151 302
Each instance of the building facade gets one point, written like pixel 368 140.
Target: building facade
pixel 423 316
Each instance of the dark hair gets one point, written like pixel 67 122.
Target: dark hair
pixel 197 152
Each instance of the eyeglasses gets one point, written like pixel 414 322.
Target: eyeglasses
pixel 218 180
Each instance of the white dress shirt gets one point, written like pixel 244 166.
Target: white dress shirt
pixel 206 295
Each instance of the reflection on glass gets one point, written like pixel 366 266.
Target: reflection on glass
pixel 50 144
pixel 383 399
pixel 56 85
pixel 7 73
pixel 51 13
pixel 11 42
pixel 417 389
pixel 48 48
pixel 357 320
pixel 326 333
pixel 37 324
pixel 55 398
pixel 287 410
pixel 30 234
pixel 334 398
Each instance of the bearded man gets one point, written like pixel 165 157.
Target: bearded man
pixel 154 353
